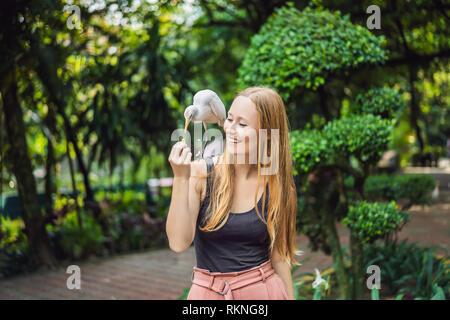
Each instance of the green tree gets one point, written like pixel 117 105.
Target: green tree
pixel 417 42
pixel 65 77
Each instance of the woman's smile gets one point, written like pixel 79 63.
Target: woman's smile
pixel 233 141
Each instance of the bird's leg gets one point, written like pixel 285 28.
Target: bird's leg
pixel 206 129
pixel 206 135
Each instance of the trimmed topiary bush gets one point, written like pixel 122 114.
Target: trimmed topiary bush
pixel 364 136
pixel 309 148
pixel 302 48
pixel 370 221
pixel 385 102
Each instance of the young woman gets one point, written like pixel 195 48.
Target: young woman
pixel 242 222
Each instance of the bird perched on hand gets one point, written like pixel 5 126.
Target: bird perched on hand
pixel 207 108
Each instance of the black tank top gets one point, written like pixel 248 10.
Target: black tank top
pixel 242 243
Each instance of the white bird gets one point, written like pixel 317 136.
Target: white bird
pixel 206 108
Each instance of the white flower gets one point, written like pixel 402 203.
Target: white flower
pixel 319 280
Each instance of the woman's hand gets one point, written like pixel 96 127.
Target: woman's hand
pixel 180 160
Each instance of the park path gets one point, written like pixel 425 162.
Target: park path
pixel 163 274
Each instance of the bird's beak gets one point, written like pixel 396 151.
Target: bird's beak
pixel 186 125
pixel 187 122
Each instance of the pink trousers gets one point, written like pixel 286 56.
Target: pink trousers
pixel 258 283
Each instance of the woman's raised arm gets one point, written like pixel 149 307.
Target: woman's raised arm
pixel 185 201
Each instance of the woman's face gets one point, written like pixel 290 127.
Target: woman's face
pixel 241 128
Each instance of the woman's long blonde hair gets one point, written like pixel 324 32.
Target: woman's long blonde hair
pixel 282 205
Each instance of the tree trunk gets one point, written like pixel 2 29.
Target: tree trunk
pixel 50 164
pixel 336 251
pixel 74 185
pixel 357 268
pixel 122 178
pixel 50 187
pixel 323 103
pixel 22 168
pixel 415 108
pixel 71 136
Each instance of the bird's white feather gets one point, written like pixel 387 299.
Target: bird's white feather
pixel 208 108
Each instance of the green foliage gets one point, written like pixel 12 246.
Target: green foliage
pixel 385 102
pixel 399 296
pixel 374 293
pixel 120 223
pixel 369 221
pixel 417 188
pixel 362 136
pixel 127 223
pixel 185 294
pixel 15 256
pixel 11 231
pixel 302 283
pixel 309 149
pixel 438 293
pixel 127 200
pixel 294 281
pixel 435 107
pixel 317 294
pixel 301 49
pixel 409 270
pixel 81 242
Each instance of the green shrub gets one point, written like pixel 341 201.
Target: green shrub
pixel 362 136
pixel 409 270
pixel 370 221
pixel 11 231
pixel 417 188
pixel 81 242
pixel 128 200
pixel 385 102
pixel 15 255
pixel 309 149
pixel 302 48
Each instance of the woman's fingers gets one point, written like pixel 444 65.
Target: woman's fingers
pixel 184 154
pixel 188 158
pixel 177 150
pixel 180 159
